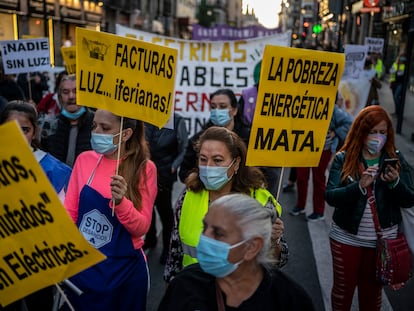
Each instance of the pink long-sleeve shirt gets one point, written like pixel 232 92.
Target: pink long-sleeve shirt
pixel 136 222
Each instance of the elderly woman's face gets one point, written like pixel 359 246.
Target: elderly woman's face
pixel 222 226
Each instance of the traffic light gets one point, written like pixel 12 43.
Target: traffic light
pixel 305 29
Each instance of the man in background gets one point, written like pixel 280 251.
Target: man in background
pixel 74 124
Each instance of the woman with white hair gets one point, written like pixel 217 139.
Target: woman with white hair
pixel 234 264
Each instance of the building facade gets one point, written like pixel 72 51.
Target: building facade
pixel 58 19
pixel 49 18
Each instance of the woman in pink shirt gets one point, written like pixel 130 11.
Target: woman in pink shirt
pixel 95 191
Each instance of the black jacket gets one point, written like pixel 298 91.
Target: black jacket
pixel 57 144
pixel 10 90
pixel 193 289
pixel 167 148
pixel 349 202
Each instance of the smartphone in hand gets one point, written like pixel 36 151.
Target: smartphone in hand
pixel 392 162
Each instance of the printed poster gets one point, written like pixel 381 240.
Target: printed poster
pixel 25 55
pixel 40 245
pixel 130 78
pixel 206 66
pixel 295 102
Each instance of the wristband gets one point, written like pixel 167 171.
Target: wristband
pixel 363 190
pixel 394 183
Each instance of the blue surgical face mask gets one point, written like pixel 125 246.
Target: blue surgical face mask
pixel 376 142
pixel 73 115
pixel 103 143
pixel 220 117
pixel 214 177
pixel 212 256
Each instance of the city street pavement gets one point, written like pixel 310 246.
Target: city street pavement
pixel 310 261
pixel 404 140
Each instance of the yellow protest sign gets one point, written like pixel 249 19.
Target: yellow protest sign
pixel 295 102
pixel 69 57
pixel 128 77
pixel 40 245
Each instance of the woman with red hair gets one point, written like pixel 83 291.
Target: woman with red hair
pixel 355 179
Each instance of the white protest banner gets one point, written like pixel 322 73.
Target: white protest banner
pixel 355 81
pixel 355 56
pixel 40 245
pixel 25 55
pixel 355 92
pixel 203 67
pixel 375 45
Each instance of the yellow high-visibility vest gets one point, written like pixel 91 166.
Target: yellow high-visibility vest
pixel 195 207
pixel 394 71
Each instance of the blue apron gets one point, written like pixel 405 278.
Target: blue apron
pixel 120 282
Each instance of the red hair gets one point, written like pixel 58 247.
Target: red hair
pixel 366 119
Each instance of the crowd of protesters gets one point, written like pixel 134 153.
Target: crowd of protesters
pixel 225 236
